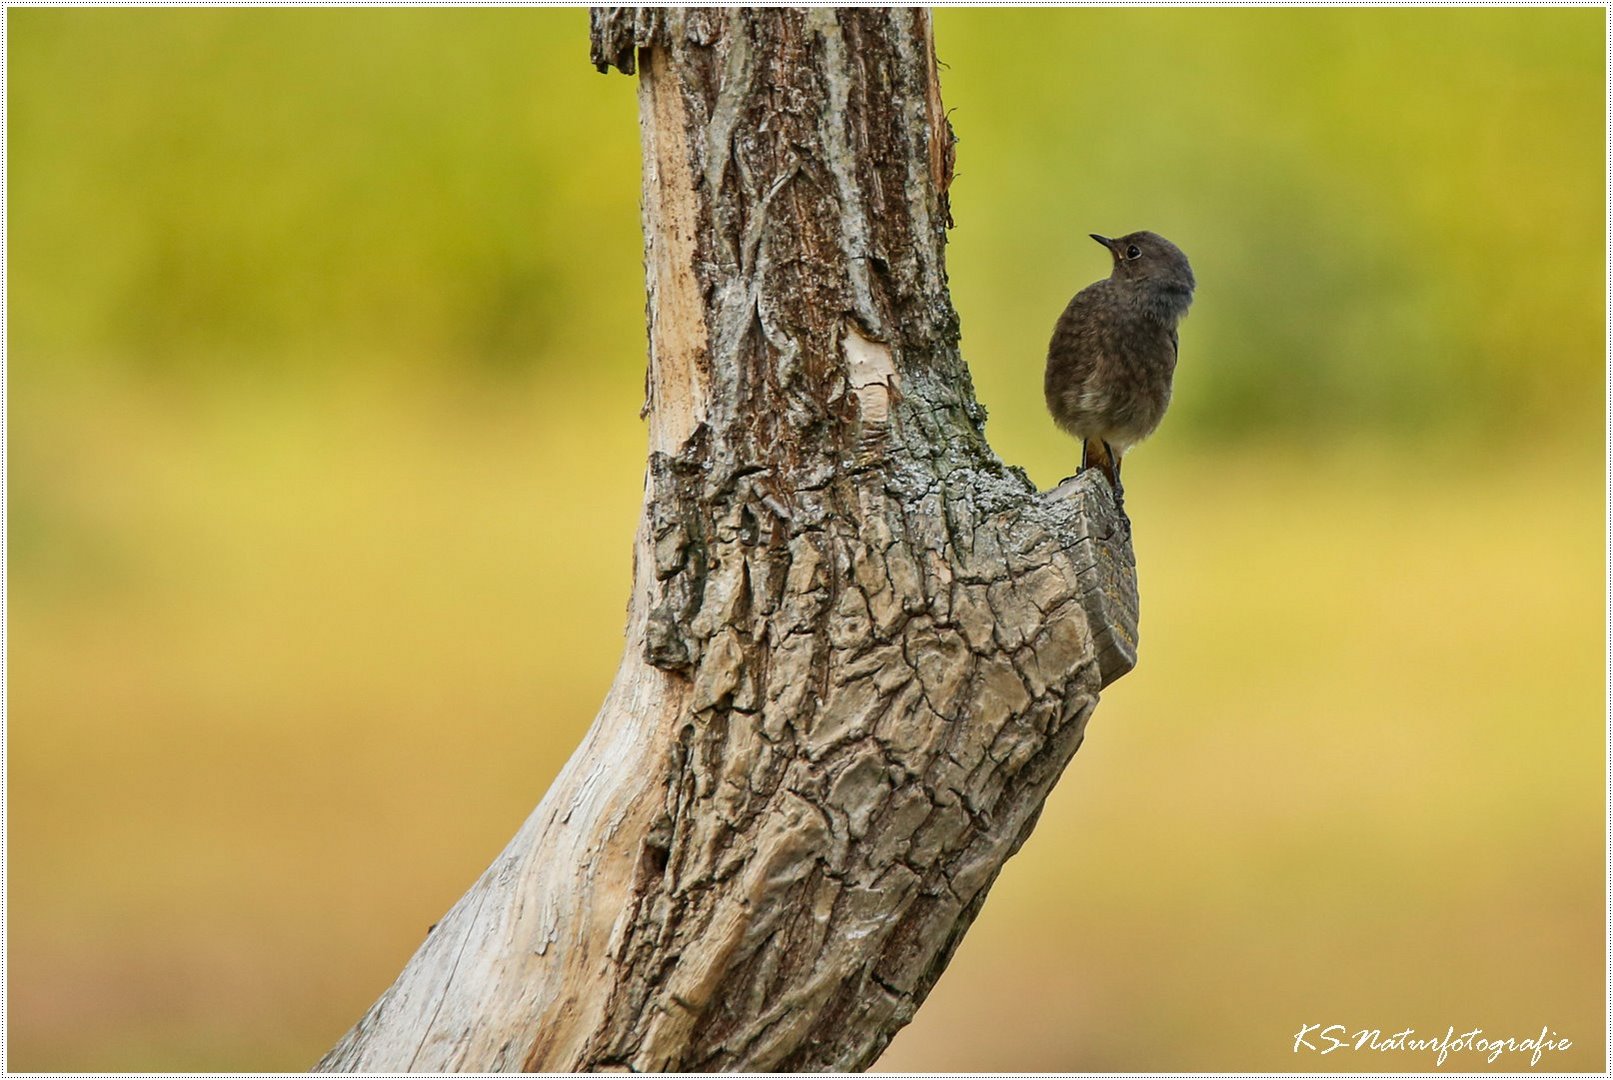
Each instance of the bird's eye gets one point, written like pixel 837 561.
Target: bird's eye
pixel 1133 252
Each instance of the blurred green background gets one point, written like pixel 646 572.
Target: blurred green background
pixel 325 360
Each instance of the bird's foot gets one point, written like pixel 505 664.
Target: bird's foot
pixel 1119 490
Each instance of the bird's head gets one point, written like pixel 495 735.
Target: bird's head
pixel 1149 258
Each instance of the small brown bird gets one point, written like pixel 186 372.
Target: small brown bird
pixel 1113 352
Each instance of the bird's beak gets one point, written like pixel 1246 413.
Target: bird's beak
pixel 1104 240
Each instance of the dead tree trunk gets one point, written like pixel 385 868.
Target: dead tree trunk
pixel 860 649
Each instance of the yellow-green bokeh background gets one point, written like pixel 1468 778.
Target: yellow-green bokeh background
pixel 325 357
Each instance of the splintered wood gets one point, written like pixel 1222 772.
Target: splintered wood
pixel 861 649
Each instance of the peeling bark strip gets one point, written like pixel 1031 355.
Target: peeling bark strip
pixel 860 649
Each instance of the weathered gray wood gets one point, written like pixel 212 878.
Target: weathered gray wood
pixel 860 649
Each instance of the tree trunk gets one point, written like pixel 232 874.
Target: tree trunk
pixel 860 649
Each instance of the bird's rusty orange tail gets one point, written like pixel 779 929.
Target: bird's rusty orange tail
pixel 1096 454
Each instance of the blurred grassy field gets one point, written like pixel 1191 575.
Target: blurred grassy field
pixel 323 370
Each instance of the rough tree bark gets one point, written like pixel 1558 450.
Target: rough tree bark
pixel 860 648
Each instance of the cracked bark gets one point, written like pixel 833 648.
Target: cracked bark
pixel 860 649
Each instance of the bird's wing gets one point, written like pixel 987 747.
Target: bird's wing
pixel 1078 325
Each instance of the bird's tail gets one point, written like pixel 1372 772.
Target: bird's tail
pixel 1097 454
